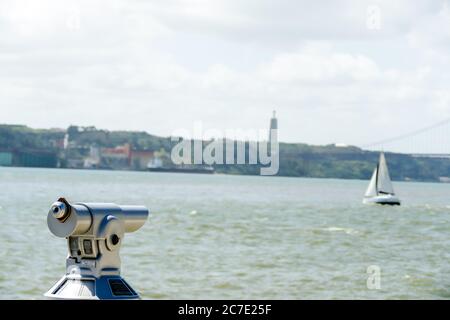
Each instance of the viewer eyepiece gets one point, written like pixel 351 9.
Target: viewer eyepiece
pixel 59 210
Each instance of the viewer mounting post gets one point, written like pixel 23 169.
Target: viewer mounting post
pixel 94 233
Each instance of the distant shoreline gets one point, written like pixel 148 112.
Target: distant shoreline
pixel 214 174
pixel 77 147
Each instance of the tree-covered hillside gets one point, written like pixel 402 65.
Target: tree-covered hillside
pixel 296 159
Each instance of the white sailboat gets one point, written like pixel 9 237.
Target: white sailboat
pixel 380 190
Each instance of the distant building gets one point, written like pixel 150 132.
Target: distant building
pixel 35 158
pixel 341 145
pixel 139 159
pixel 66 141
pixel 116 158
pixel 123 157
pixel 57 143
pixel 93 161
pixel 6 159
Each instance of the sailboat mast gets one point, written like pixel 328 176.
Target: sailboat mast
pixel 376 178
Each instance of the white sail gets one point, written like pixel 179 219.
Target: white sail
pixel 372 188
pixel 384 184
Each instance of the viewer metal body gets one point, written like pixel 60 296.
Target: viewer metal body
pixel 94 233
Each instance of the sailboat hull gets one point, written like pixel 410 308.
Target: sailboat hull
pixel 386 199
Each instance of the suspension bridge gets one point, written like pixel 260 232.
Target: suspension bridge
pixel 432 141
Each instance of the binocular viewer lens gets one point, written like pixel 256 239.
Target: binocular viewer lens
pixel 94 232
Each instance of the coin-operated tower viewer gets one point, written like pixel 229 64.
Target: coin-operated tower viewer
pixel 94 233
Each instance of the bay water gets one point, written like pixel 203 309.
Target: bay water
pixel 236 237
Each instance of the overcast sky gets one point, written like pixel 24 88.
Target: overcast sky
pixel 336 71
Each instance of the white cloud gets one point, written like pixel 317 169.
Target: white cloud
pixel 160 66
pixel 315 65
pixel 431 33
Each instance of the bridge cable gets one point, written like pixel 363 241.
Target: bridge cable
pixel 407 135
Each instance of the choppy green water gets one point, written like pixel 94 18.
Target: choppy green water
pixel 224 237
